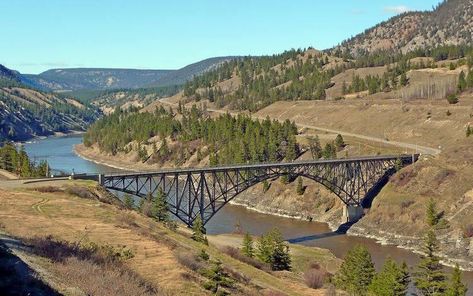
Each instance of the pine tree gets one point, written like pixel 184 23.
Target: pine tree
pixel 198 231
pixel 248 248
pixel 280 258
pixel 264 248
pixel 430 278
pixel 339 142
pixel 393 280
pixel 164 149
pixel 291 151
pixel 461 82
pixel 128 201
pixel 160 206
pixel 300 187
pixel 356 271
pixel 432 216
pixel 456 287
pixel 218 279
pixel 344 88
pixel 403 80
pixel 265 186
pixel 315 148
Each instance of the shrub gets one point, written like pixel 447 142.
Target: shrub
pixel 190 261
pixel 314 278
pixel 126 220
pixel 48 189
pixel 236 254
pixel 80 192
pixel 452 99
pixel 468 231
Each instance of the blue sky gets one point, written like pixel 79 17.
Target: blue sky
pixel 39 35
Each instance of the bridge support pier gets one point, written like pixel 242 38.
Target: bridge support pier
pixel 352 213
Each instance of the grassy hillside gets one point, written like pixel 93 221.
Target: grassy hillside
pixel 149 258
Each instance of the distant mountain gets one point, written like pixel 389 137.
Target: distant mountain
pixel 451 23
pixel 6 73
pixel 181 76
pixel 26 112
pixel 106 79
pixel 96 78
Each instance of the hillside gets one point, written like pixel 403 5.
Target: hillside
pixel 26 113
pixel 449 23
pixel 80 79
pixel 76 251
pixel 96 78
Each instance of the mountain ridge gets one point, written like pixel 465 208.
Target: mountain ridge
pixel 83 78
pixel 449 23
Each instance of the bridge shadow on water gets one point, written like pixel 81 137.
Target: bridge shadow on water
pixel 342 230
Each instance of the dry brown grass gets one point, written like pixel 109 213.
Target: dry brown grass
pixel 94 269
pixel 27 213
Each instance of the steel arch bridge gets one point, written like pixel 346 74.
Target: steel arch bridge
pixel 195 192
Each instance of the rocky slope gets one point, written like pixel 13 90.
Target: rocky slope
pixel 449 23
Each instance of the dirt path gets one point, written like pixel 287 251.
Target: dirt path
pixel 414 147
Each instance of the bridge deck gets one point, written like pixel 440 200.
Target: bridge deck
pixel 266 165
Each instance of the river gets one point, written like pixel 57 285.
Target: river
pixel 60 156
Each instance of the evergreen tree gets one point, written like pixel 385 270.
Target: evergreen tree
pixel 432 216
pixel 264 248
pixel 469 78
pixel 164 149
pixel 160 209
pixel 344 88
pixel 356 271
pixel 403 80
pixel 469 131
pixel 128 201
pixel 430 278
pixel 456 286
pixel 291 151
pixel 218 279
pixel 330 151
pixel 300 187
pixel 315 148
pixel 198 231
pixel 280 258
pixel 265 186
pixel 393 280
pixel 339 142
pixel 461 82
pixel 248 248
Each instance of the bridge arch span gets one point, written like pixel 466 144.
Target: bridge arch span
pixel 204 191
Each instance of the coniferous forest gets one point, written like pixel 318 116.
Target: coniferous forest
pixel 225 139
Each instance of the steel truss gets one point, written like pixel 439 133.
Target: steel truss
pixel 204 191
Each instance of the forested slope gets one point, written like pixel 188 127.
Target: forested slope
pixel 26 113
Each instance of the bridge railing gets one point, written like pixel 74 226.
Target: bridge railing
pixel 404 157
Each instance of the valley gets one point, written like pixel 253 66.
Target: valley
pixel 345 170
